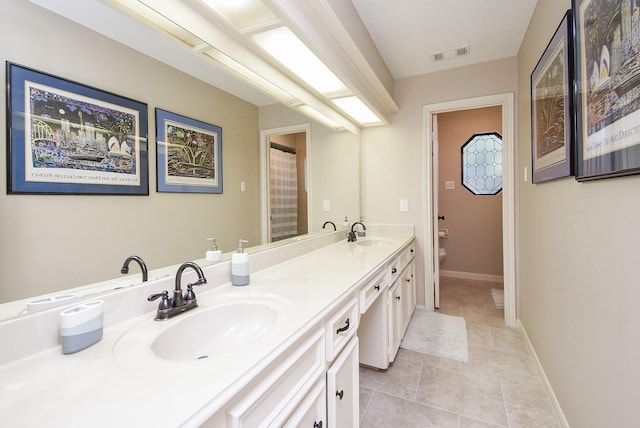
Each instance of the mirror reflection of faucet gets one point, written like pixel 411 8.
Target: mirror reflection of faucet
pixel 331 223
pixel 143 267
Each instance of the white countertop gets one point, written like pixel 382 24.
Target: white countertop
pixel 119 382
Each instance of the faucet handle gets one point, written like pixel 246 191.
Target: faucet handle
pixel 190 295
pixel 165 302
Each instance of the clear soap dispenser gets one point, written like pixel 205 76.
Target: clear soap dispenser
pixel 213 255
pixel 240 265
pixel 345 223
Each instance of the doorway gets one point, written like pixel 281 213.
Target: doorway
pixel 431 262
pixel 284 182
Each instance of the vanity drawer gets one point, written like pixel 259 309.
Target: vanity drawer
pixel 372 290
pixel 407 255
pixel 271 399
pixel 341 327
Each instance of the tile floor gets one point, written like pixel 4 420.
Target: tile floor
pixel 498 387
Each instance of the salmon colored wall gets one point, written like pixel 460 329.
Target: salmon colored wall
pixel 474 222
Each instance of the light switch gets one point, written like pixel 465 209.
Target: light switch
pixel 449 185
pixel 404 205
pixel 243 186
pixel 326 205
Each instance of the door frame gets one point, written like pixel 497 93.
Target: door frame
pixel 506 101
pixel 265 226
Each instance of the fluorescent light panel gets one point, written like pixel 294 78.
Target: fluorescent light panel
pixel 315 114
pixel 153 18
pixel 285 47
pixel 355 108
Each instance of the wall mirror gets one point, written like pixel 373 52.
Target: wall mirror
pixel 54 243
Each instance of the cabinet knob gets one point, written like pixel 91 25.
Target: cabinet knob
pixel 345 328
pixel 398 297
pixel 317 424
pixel 377 287
pixel 340 393
pixel 394 270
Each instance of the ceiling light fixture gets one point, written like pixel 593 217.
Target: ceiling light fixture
pixel 355 108
pixel 244 14
pixel 285 47
pixel 315 114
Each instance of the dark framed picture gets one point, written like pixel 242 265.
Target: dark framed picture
pixel 189 154
pixel 607 88
pixel 552 124
pixel 68 138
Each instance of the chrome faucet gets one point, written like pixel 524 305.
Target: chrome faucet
pixel 352 235
pixel 125 267
pixel 331 223
pixel 180 303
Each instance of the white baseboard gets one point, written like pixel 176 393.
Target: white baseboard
pixel 471 275
pixel 547 386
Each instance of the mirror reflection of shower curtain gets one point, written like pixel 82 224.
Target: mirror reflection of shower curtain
pixel 283 189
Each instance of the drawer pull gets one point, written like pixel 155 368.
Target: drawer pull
pixel 345 328
pixel 317 424
pixel 340 393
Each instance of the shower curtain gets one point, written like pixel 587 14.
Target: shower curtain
pixel 284 194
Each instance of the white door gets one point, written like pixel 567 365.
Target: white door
pixel 435 214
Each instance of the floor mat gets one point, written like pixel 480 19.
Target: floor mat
pixel 437 334
pixel 498 297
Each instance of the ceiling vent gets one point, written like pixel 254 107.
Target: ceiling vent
pixel 452 53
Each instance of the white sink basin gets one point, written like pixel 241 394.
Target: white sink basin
pixel 215 330
pixel 374 243
pixel 222 326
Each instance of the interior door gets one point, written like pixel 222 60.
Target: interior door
pixel 435 214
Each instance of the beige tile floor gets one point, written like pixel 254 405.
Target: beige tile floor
pixel 498 387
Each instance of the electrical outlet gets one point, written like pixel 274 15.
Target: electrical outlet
pixel 243 186
pixel 404 205
pixel 326 205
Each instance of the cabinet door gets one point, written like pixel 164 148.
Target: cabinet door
pixel 343 389
pixel 408 296
pixel 312 412
pixel 395 319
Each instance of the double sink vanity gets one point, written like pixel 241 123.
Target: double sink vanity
pixel 281 351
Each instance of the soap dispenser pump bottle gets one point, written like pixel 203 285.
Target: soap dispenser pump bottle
pixel 213 255
pixel 240 265
pixel 345 223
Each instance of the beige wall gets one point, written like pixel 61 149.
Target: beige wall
pixel 579 281
pixel 474 222
pixel 83 239
pixel 393 156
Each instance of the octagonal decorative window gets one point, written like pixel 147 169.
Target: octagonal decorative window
pixel 482 164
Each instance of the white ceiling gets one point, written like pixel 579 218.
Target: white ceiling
pixel 408 32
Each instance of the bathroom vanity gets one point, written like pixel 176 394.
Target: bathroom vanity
pixel 281 351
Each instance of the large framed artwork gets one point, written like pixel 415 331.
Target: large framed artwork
pixel 189 154
pixel 64 137
pixel 552 94
pixel 607 88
